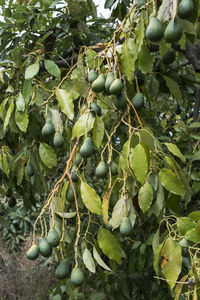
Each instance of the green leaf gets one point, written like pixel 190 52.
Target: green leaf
pixel 92 58
pixel 109 3
pixel 22 120
pixel 118 213
pixel 192 235
pixel 175 150
pixel 139 163
pixel 20 103
pixel 179 287
pixel 27 90
pixel 47 155
pixel 195 125
pixel 63 193
pixel 32 70
pixel 174 88
pixel 128 57
pixel 145 197
pixel 89 261
pixel 65 102
pixel 158 205
pixel 83 124
pixel 185 224
pixel 52 68
pixel 90 198
pixel 98 131
pixel 172 265
pixel 195 156
pixel 123 159
pixel 3 222
pixel 99 260
pixel 188 27
pixel 109 245
pixel 139 31
pixel 68 215
pixel 170 182
pixel 8 115
pixel 145 60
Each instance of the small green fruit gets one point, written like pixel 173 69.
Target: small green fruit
pixel 169 56
pixel 57 297
pixel 116 87
pixel 77 277
pixel 12 202
pixel 173 31
pixel 109 80
pixel 154 31
pixel 44 247
pixel 92 76
pixel 120 101
pixel 98 85
pixel 58 140
pixel 33 252
pixel 74 175
pixel 29 170
pixel 140 77
pixel 48 129
pixel 140 3
pixel 78 159
pixel 138 101
pixel 125 227
pixel 53 238
pixel 114 168
pixel 101 170
pixel 87 148
pixel 95 109
pixel 70 194
pixel 185 9
pixel 62 270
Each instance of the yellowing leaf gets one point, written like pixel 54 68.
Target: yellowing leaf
pixel 99 260
pixel 65 102
pixel 89 261
pixel 90 198
pixel 8 115
pixel 171 182
pixel 175 150
pixel 98 131
pixel 139 163
pixel 47 155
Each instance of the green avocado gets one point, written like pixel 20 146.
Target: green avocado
pixel 87 148
pixel 29 170
pixel 101 170
pixel 185 9
pixel 125 227
pixel 92 76
pixel 114 168
pixel 53 238
pixel 95 109
pixel 138 101
pixel 78 159
pixel 33 252
pixel 74 175
pixel 154 31
pixel 140 77
pixel 77 276
pixel 57 297
pixel 109 80
pixel 98 84
pixel 12 202
pixel 169 56
pixel 120 101
pixel 48 129
pixel 62 270
pixel 173 31
pixel 116 87
pixel 70 194
pixel 44 247
pixel 140 3
pixel 58 140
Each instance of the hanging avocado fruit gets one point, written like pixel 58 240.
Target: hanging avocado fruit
pixel 101 170
pixel 29 170
pixel 116 87
pixel 185 9
pixel 44 247
pixel 78 159
pixel 70 194
pixel 62 270
pixel 77 276
pixel 98 84
pixel 125 227
pixel 74 175
pixel 58 140
pixel 138 101
pixel 48 129
pixel 169 56
pixel 173 31
pixel 92 76
pixel 95 109
pixel 120 101
pixel 87 148
pixel 53 238
pixel 154 31
pixel 109 80
pixel 33 252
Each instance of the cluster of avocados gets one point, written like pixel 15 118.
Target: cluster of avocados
pixel 48 130
pixel 173 32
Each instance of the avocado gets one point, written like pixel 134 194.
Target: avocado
pixel 169 56
pixel 12 202
pixel 87 148
pixel 53 238
pixel 140 3
pixel 101 170
pixel 78 159
pixel 29 170
pixel 138 101
pixel 120 101
pixel 44 247
pixel 70 194
pixel 33 252
pixel 173 31
pixel 98 84
pixel 57 297
pixel 62 270
pixel 95 109
pixel 92 76
pixel 58 140
pixel 48 129
pixel 140 77
pixel 116 87
pixel 185 9
pixel 77 276
pixel 113 199
pixel 74 175
pixel 154 31
pixel 125 227
pixel 109 80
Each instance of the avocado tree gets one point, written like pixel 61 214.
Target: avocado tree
pixel 99 141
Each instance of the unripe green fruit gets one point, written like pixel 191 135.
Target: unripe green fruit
pixel 116 87
pixel 109 80
pixel 138 101
pixel 114 168
pixel 154 31
pixel 92 76
pixel 53 238
pixel 58 140
pixel 169 56
pixel 101 170
pixel 78 159
pixel 185 9
pixel 29 170
pixel 57 297
pixel 33 252
pixel 44 247
pixel 125 227
pixel 98 85
pixel 48 129
pixel 74 175
pixel 95 109
pixel 140 3
pixel 12 202
pixel 62 270
pixel 140 77
pixel 70 194
pixel 120 101
pixel 173 31
pixel 77 277
pixel 87 148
